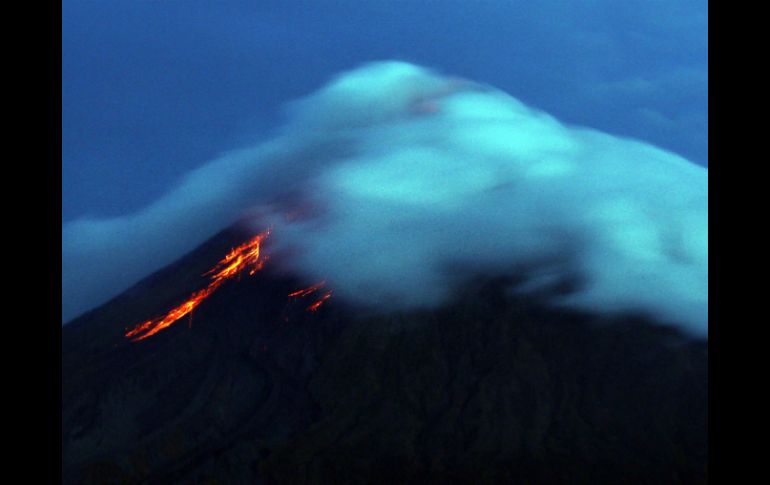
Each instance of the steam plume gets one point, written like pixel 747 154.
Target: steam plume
pixel 420 181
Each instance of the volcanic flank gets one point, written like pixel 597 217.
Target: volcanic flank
pixel 490 387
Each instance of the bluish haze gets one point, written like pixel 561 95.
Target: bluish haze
pixel 153 89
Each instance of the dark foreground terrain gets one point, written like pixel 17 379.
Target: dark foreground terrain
pixel 490 389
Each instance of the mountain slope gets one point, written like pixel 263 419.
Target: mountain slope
pixel 492 388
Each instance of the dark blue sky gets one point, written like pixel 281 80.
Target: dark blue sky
pixel 152 89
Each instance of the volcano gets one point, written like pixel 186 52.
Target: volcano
pixel 491 387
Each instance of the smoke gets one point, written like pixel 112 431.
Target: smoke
pixel 419 181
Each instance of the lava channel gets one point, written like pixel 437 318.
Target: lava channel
pixel 247 256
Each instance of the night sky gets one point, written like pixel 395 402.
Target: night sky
pixel 153 89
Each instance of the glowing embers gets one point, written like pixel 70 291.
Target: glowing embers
pixel 247 256
pixel 309 291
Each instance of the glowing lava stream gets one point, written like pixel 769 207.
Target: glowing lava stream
pixel 307 291
pixel 310 290
pixel 320 302
pixel 247 255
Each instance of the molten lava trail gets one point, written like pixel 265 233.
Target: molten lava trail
pixel 245 256
pixel 309 291
pixel 320 302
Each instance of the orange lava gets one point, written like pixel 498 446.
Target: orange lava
pixel 320 302
pixel 245 256
pixel 309 291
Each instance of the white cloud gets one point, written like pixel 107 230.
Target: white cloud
pixel 415 173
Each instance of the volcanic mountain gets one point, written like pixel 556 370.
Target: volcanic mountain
pixel 492 387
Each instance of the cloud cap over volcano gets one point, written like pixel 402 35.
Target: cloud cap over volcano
pixel 420 181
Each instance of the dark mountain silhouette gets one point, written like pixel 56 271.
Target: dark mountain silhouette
pixel 492 388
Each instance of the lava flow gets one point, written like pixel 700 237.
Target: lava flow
pixel 309 291
pixel 320 301
pixel 245 256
